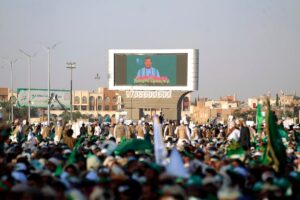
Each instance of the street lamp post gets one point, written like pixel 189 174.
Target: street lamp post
pixel 29 80
pixel 11 62
pixel 48 49
pixel 71 66
pixel 97 78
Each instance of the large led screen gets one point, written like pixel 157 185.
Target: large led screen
pixel 150 69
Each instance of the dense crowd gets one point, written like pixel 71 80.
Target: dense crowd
pixel 214 161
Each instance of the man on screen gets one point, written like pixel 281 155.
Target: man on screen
pixel 148 70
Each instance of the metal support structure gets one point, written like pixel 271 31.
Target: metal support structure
pixel 71 66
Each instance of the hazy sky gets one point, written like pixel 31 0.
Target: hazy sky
pixel 245 47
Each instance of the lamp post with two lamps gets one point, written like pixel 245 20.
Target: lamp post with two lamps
pixel 29 80
pixel 12 98
pixel 48 49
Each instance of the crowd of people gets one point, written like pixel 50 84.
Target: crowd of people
pixel 215 161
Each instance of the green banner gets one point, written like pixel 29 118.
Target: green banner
pixel 39 98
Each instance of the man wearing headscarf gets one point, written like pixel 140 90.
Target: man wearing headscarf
pixel 182 133
pixel 140 130
pixel 58 132
pixel 169 130
pixel 120 131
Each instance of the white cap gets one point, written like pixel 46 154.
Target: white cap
pixel 256 154
pixel 55 161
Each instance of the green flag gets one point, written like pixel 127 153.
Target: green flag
pixel 259 118
pixel 265 157
pixel 297 138
pixel 275 148
pixel 234 149
pixel 72 156
pixel 58 171
pixel 123 139
pixel 282 132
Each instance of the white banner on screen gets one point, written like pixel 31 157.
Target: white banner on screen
pixel 148 94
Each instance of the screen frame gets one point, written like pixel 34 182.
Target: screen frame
pixel 192 69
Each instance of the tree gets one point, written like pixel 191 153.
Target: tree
pixel 19 112
pixel 5 108
pixel 22 112
pixel 66 116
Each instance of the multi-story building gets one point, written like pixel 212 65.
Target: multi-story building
pixel 252 102
pixel 4 94
pixel 207 110
pixel 287 100
pixel 103 101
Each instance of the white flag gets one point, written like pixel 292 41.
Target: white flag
pixel 159 147
pixel 176 166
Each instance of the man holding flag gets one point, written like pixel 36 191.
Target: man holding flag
pixel 276 151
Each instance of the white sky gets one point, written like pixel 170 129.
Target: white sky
pixel 245 47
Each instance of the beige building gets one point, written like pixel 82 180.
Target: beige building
pixel 103 102
pixel 130 104
pixel 139 104
pixel 287 100
pixel 207 110
pixel 3 94
pixel 96 102
pixel 253 102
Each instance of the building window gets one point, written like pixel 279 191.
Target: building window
pixel 92 100
pixel 106 107
pixel 84 100
pixel 83 107
pixel 115 99
pixel 91 103
pixel 99 99
pixel 76 107
pixel 107 99
pixel 76 100
pixel 114 107
pixel 99 107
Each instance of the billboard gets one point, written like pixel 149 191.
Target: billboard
pixel 168 69
pixel 60 99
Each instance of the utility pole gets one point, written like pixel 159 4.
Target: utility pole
pixel 71 66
